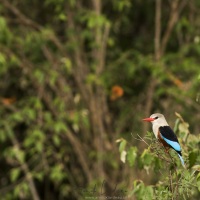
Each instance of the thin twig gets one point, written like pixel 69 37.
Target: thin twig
pixel 140 139
pixel 170 182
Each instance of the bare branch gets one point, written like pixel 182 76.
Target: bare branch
pixel 24 19
pixel 176 8
pixel 80 153
pixel 157 55
pixel 80 70
pixel 102 52
pixel 140 139
pixel 101 37
pixel 157 29
pixel 149 102
pixel 97 6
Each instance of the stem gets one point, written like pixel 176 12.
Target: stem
pixel 175 191
pixel 170 182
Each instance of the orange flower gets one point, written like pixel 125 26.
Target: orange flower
pixel 116 92
pixel 8 101
pixel 178 82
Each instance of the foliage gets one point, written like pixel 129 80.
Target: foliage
pixel 172 181
pixel 76 75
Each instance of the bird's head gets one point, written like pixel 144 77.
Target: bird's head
pixel 157 118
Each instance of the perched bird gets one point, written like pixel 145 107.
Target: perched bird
pixel 165 134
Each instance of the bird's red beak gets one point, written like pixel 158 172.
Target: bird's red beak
pixel 148 119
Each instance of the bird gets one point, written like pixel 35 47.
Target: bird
pixel 165 134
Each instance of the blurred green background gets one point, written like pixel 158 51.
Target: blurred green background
pixel 77 75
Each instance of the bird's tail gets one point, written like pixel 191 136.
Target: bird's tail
pixel 182 161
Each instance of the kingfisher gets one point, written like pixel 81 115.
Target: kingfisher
pixel 165 134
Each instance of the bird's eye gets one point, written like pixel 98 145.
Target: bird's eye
pixel 156 118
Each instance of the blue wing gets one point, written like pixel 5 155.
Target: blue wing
pixel 170 138
pixel 175 145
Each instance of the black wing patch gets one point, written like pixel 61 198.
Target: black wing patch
pixel 168 133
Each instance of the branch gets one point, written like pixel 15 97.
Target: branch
pixel 170 182
pixel 24 19
pixel 149 102
pixel 102 51
pixel 101 37
pixel 157 55
pixel 24 167
pixel 72 139
pixel 80 71
pixel 140 139
pixel 11 186
pixel 176 8
pixel 80 153
pixel 97 6
pixel 157 30
pixel 29 22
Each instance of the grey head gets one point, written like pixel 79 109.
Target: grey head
pixel 158 119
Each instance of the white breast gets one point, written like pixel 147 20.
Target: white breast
pixel 155 129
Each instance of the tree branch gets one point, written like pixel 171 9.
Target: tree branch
pixel 25 168
pixel 20 15
pixel 176 8
pixel 72 139
pixel 157 55
pixel 157 30
pixel 101 37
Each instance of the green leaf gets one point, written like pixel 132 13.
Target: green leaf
pixel 35 140
pixel 38 175
pixel 67 64
pixel 146 157
pixel 5 34
pixel 141 191
pixel 62 16
pixel 176 125
pixel 123 156
pixel 3 136
pixel 56 140
pixel 198 177
pixel 192 158
pixel 183 127
pixel 198 185
pixel 57 174
pixel 60 126
pixel 3 64
pixel 122 145
pixel 39 146
pixel 23 186
pixel 39 135
pixel 19 154
pixel 2 59
pixel 39 75
pixel 131 155
pixel 29 113
pixel 148 193
pixel 92 78
pixel 17 116
pixel 14 174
